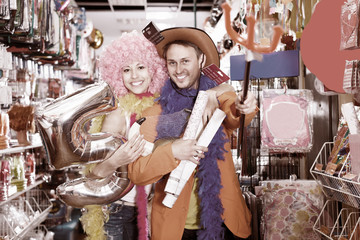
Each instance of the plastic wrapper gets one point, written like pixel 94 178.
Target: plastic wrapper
pixel 348 124
pixel 286 120
pixel 351 81
pixel 290 208
pixel 349 24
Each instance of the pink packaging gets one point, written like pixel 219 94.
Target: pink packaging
pixel 354 141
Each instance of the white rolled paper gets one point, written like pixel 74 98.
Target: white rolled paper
pixel 350 116
pixel 188 166
pixel 191 131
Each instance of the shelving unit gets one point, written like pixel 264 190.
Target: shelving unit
pixel 20 148
pixel 30 205
pixel 334 221
pixel 33 205
pixel 334 187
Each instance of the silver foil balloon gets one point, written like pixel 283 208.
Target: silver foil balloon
pixel 62 126
pixel 85 191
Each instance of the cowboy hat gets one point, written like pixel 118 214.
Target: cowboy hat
pixel 193 35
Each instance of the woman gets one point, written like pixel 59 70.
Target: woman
pixel 133 69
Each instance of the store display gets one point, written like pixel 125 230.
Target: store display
pixel 33 33
pixel 286 120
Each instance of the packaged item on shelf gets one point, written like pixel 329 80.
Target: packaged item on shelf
pixel 349 24
pixel 30 168
pixel 350 116
pixel 4 130
pixel 22 120
pixel 18 172
pixel 5 178
pixel 340 149
pixel 290 208
pixel 354 141
pixel 351 80
pixel 286 120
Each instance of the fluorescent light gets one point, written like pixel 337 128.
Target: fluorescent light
pixel 160 15
pixel 127 2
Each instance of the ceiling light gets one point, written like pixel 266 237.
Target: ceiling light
pixel 127 2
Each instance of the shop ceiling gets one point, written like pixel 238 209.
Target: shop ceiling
pixel 112 17
pixel 180 5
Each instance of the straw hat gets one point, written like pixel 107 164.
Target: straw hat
pixel 195 36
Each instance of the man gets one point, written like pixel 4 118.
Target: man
pixel 210 205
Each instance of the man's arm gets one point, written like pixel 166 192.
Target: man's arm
pixel 228 105
pixel 213 102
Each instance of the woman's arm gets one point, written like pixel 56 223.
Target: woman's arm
pixel 116 124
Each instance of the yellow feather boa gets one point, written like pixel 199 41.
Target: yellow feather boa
pixel 93 218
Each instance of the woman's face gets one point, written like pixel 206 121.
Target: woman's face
pixel 136 77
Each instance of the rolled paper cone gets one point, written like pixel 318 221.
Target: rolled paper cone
pixel 349 114
pixel 187 166
pixel 191 130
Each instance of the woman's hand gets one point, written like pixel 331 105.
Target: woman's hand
pixel 188 150
pixel 125 154
pixel 129 151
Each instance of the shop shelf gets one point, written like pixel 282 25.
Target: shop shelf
pixel 22 214
pixel 334 187
pixel 335 222
pixel 351 229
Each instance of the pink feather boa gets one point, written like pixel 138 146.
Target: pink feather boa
pixel 141 202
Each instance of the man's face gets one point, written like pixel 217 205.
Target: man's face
pixel 183 65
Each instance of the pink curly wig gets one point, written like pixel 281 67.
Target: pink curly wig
pixel 131 47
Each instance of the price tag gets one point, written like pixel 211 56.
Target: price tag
pixel 215 74
pixel 152 33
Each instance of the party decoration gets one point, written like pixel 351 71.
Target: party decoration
pixel 61 4
pixel 249 43
pixel 62 126
pixel 85 191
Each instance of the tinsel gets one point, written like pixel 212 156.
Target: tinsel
pixel 92 220
pixel 208 173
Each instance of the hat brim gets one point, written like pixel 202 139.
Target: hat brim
pixel 195 36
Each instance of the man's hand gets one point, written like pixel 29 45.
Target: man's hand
pixel 188 150
pixel 211 106
pixel 213 103
pixel 248 106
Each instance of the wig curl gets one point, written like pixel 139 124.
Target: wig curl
pixel 125 50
